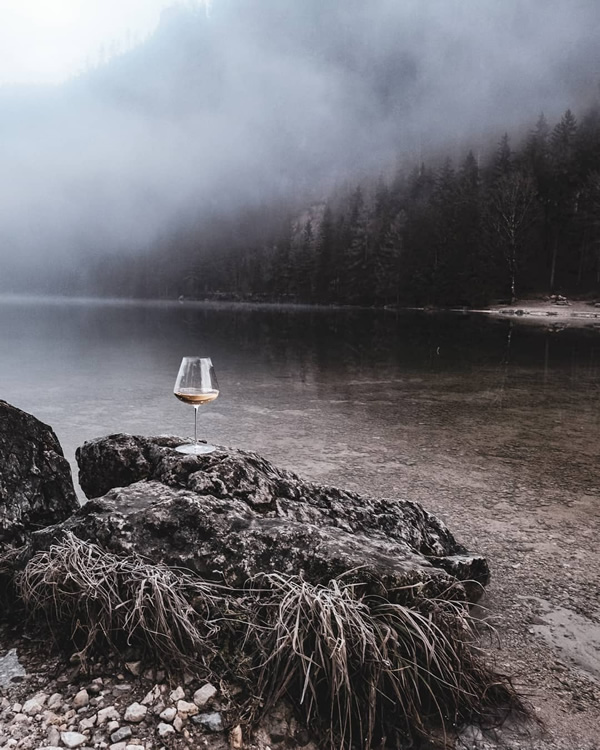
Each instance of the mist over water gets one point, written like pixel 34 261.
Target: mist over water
pixel 262 101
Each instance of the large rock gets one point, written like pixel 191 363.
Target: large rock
pixel 36 488
pixel 230 514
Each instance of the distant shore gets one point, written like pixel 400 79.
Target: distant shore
pixel 570 312
pixel 542 311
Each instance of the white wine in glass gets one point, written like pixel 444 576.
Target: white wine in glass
pixel 196 384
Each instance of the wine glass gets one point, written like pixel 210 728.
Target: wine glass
pixel 196 384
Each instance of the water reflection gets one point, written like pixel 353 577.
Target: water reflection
pixel 293 379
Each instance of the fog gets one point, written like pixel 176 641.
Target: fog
pixel 262 100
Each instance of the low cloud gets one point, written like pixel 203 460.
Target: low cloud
pixel 270 99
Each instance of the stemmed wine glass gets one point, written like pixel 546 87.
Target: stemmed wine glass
pixel 196 384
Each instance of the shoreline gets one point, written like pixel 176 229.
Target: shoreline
pixel 573 313
pixel 570 312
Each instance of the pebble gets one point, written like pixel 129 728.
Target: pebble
pixel 124 733
pixel 109 713
pixel 204 694
pixel 164 730
pixel 178 723
pixel 72 739
pixel 135 713
pixel 212 721
pixel 123 687
pixel 53 736
pixel 79 719
pixel 31 707
pixel 55 701
pixel 38 700
pixel 49 717
pixel 135 667
pixel 81 699
pixel 177 694
pixel 235 738
pixel 151 696
pixel 168 714
pixel 185 709
pixel 87 723
pixel 98 739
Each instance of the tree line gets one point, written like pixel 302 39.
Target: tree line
pixel 522 219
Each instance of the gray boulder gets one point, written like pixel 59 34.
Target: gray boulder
pixel 230 515
pixel 36 487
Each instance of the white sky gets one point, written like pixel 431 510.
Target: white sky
pixel 48 41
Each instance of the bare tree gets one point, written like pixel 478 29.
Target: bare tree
pixel 511 210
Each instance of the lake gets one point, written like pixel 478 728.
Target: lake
pixel 492 424
pixel 369 399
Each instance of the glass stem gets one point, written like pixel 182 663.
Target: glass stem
pixel 195 425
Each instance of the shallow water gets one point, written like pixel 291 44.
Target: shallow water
pixel 11 668
pixel 352 397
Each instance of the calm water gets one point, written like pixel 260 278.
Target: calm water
pixel 341 396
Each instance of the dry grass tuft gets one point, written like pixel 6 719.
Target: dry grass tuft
pixel 108 600
pixel 363 670
pixel 360 669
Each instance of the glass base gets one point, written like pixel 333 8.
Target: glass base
pixel 196 449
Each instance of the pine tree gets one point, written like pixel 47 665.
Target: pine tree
pixel 503 161
pixel 562 140
pixel 536 160
pixel 358 273
pixel 387 261
pixel 537 145
pixel 281 271
pixel 444 203
pixel 326 273
pixel 474 273
pixel 563 187
pixel 304 261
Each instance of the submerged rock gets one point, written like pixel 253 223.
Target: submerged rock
pixel 36 488
pixel 230 515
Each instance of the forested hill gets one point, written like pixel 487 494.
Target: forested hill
pixel 520 221
pixel 295 150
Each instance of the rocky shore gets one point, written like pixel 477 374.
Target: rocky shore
pixel 114 712
pixel 220 601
